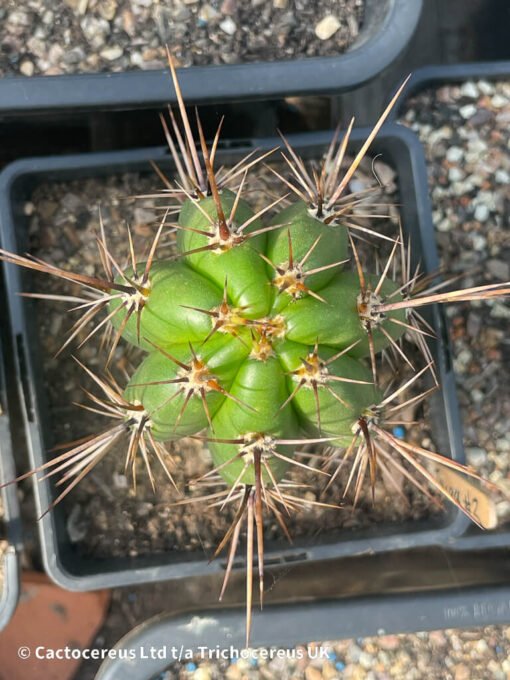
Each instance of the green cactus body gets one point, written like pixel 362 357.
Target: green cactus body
pixel 176 406
pixel 164 400
pixel 318 243
pixel 337 322
pixel 232 353
pixel 240 266
pixel 339 402
pixel 260 387
pixel 166 317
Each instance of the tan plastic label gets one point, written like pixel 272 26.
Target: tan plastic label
pixel 469 496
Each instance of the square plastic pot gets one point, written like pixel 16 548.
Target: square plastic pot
pixel 289 625
pixel 400 149
pixel 387 29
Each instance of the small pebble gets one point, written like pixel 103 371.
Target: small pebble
pixel 329 672
pixel 234 672
pixel 479 242
pixel 202 673
pixel 503 444
pixel 502 176
pixel 389 642
pixel 208 14
pixel 467 111
pixel 469 89
pixel 228 26
pixel 353 25
pixel 366 660
pixel 76 525
pixel 476 456
pixel 462 672
pixel 327 27
pixel 503 509
pixel 500 310
pixel 107 9
pixel 19 18
pixel 399 432
pixel 454 154
pixel 95 29
pixel 312 673
pixel 143 216
pixel 120 481
pixel 481 213
pixel 228 7
pixel 354 653
pixel 499 269
pixel 27 68
pixel 485 87
pixel 499 101
pixel 455 174
pixel 481 117
pixel 111 53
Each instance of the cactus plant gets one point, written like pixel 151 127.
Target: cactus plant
pixel 257 337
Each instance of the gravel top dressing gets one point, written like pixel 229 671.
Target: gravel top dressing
pixel 454 654
pixel 105 516
pixel 52 37
pixel 465 130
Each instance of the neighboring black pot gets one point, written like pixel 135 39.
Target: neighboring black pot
pixel 386 31
pixel 444 599
pixel 434 77
pixel 399 148
pixel 11 523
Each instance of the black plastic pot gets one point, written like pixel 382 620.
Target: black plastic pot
pixel 400 148
pixel 285 626
pixel 435 77
pixel 387 29
pixel 10 525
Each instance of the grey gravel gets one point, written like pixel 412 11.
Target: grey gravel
pixel 481 654
pixel 468 157
pixel 52 37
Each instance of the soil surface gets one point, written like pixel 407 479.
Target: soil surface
pixel 460 655
pixel 52 37
pixel 466 136
pixel 104 515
